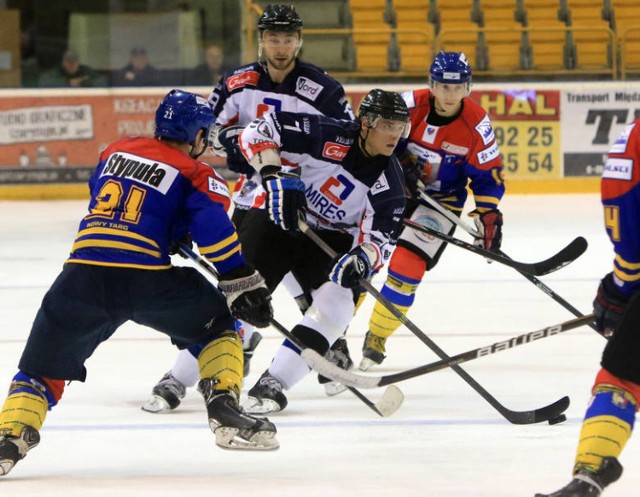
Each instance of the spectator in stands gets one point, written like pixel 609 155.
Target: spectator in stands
pixel 70 73
pixel 138 72
pixel 210 72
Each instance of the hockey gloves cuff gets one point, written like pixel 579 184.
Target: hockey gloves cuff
pixel 286 199
pixel 247 296
pixel 489 225
pixel 360 263
pixel 225 144
pixel 608 306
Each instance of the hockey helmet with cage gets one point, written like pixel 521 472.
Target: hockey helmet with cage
pixel 381 104
pixel 181 115
pixel 280 17
pixel 451 68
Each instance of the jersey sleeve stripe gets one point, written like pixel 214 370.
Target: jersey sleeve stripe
pixel 92 243
pixel 224 256
pixel 119 233
pixel 216 247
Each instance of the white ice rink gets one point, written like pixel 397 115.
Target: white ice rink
pixel 445 440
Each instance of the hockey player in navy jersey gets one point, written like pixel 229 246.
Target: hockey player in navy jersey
pixel 344 177
pixel 278 81
pixel 145 195
pixel 610 416
pixel 451 145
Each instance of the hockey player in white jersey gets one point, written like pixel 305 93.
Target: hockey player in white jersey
pixel 350 188
pixel 277 81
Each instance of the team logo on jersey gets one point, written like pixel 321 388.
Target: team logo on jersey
pixel 454 149
pixel 620 145
pixel 429 135
pixel 381 185
pixel 307 88
pixel 217 187
pixel 485 130
pixel 265 129
pixel 337 188
pixel 618 169
pixel 242 79
pixel 157 175
pixel 488 154
pixel 334 151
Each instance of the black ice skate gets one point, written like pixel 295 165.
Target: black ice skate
pixel 248 349
pixel 266 396
pixel 166 395
pixel 586 483
pixel 12 449
pixel 339 355
pixel 234 428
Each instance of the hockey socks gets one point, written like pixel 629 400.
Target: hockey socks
pixel 222 360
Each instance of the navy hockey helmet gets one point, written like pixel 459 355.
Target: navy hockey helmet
pixel 386 105
pixel 181 115
pixel 280 17
pixel 450 67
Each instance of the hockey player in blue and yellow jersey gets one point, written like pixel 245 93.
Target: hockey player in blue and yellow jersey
pixel 147 195
pixel 609 419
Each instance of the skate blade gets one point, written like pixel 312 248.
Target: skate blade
pixel 156 404
pixel 6 465
pixel 264 406
pixel 227 438
pixel 366 364
pixel 334 388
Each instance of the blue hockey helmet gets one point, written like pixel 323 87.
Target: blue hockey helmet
pixel 181 115
pixel 450 67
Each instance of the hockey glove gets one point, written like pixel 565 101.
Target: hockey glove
pixel 247 296
pixel 360 263
pixel 412 178
pixel 489 225
pixel 174 246
pixel 225 143
pixel 608 306
pixel 286 200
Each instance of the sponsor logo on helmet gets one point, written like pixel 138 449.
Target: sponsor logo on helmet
pixel 243 79
pixel 451 75
pixel 334 151
pixel 307 88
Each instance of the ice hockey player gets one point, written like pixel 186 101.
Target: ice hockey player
pixel 451 145
pixel 351 187
pixel 145 194
pixel 277 81
pixel 609 419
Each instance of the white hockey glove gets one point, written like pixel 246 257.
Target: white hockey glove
pixel 247 296
pixel 357 264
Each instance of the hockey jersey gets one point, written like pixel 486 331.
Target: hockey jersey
pixel 621 201
pixel 458 152
pixel 146 194
pixel 345 190
pixel 248 93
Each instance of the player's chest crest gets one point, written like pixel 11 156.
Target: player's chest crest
pixel 430 134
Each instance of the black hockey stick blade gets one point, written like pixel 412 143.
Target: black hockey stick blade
pixel 567 255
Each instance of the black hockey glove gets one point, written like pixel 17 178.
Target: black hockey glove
pixel 489 225
pixel 286 200
pixel 608 306
pixel 412 178
pixel 174 246
pixel 357 264
pixel 247 296
pixel 225 143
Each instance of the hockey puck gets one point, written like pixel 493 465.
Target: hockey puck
pixel 557 419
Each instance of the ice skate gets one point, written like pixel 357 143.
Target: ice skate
pixel 266 396
pixel 339 355
pixel 372 351
pixel 587 483
pixel 248 349
pixel 166 395
pixel 233 427
pixel 12 448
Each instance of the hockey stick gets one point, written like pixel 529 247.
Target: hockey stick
pixel 516 417
pixel 553 263
pixel 543 287
pixel 360 381
pixel 392 397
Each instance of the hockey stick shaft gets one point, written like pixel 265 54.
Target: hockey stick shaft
pixel 360 381
pixel 535 268
pixel 542 286
pixel 515 417
pixel 200 261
